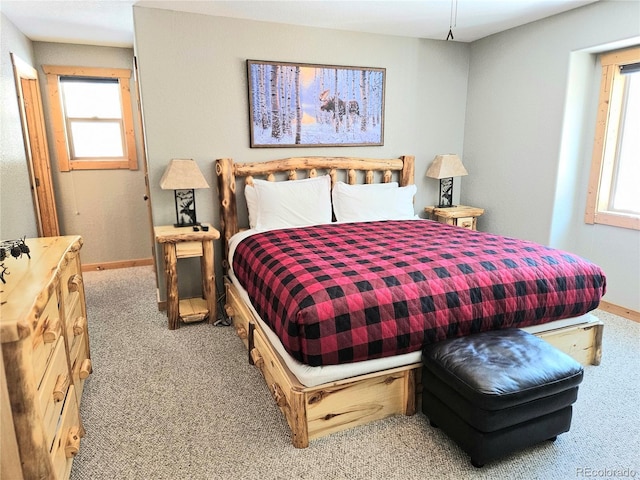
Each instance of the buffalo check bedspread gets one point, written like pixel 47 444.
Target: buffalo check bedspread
pixel 347 292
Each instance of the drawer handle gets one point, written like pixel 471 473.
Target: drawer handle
pixel 60 389
pixel 79 326
pixel 74 283
pixel 51 331
pixel 241 332
pixel 73 442
pixel 278 395
pixel 85 368
pixel 258 361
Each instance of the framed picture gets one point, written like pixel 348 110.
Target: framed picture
pixel 306 105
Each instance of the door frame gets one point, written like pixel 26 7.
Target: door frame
pixel 145 165
pixel 36 147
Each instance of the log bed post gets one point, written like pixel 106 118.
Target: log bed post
pixel 406 176
pixel 228 206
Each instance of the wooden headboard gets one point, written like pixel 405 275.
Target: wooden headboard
pixel 352 169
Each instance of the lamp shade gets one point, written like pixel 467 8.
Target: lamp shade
pixel 445 166
pixel 182 174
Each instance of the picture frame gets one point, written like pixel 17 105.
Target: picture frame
pixel 312 105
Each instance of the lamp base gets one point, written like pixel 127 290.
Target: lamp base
pixel 180 225
pixel 185 208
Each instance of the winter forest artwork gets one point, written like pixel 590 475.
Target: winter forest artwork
pixel 304 105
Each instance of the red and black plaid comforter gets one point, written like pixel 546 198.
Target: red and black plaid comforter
pixel 343 293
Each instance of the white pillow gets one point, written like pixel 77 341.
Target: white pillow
pixel 292 203
pixel 370 202
pixel 251 197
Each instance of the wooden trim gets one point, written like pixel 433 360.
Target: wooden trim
pixel 145 163
pixel 620 311
pixel 605 140
pixel 621 57
pixel 57 121
pixel 127 119
pixel 36 147
pixel 602 120
pixel 99 165
pixel 42 166
pixel 65 163
pixel 99 72
pixel 88 267
pixel 617 220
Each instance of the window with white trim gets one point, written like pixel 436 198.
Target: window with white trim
pixel 92 117
pixel 614 184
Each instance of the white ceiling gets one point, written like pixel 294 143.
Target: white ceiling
pixel 110 22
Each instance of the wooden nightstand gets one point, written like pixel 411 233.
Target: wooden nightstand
pixel 184 242
pixel 460 215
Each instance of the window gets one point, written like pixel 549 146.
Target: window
pixel 92 117
pixel 613 197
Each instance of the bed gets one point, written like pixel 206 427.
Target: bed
pixel 322 390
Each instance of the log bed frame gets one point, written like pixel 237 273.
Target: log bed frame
pixel 314 412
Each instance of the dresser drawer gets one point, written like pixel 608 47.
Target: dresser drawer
pixel 466 222
pixel 53 390
pixel 67 440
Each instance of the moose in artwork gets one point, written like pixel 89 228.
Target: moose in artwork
pixel 340 108
pixel 329 105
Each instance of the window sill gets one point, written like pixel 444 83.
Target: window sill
pixel 100 165
pixel 616 220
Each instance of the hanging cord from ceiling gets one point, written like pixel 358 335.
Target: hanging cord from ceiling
pixel 453 18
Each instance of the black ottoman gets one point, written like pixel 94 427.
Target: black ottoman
pixel 497 392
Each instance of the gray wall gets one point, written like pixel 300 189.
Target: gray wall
pixel 17 216
pixel 106 207
pixel 194 93
pixel 531 114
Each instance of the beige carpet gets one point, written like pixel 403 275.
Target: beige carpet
pixel 185 404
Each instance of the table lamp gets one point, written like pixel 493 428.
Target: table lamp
pixel 183 176
pixel 444 168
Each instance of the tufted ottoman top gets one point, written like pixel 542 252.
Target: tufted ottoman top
pixel 502 368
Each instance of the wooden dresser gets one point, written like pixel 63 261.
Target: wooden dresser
pixel 45 359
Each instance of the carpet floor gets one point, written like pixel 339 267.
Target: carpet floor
pixel 185 404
